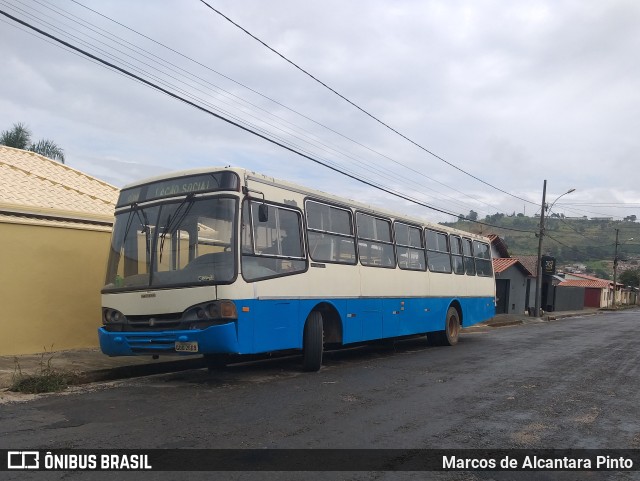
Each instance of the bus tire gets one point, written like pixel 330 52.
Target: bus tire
pixel 312 342
pixel 451 333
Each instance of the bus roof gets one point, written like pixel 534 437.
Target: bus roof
pixel 247 175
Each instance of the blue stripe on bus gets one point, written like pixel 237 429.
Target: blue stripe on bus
pixel 272 325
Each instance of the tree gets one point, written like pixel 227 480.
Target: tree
pixel 19 137
pixel 630 218
pixel 630 277
pixel 473 215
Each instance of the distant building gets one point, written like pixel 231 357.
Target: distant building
pixel 55 227
pixel 513 279
pixel 598 292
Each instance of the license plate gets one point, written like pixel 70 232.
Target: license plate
pixel 191 346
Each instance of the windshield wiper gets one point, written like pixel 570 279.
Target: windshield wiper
pixel 144 221
pixel 174 223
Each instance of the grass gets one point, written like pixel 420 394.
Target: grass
pixel 46 379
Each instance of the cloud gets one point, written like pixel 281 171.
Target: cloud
pixel 512 93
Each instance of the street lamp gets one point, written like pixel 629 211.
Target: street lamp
pixel 540 236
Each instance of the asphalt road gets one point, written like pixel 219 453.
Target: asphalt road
pixel 571 383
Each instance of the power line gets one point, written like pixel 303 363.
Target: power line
pixel 363 110
pixel 318 144
pixel 236 124
pixel 415 171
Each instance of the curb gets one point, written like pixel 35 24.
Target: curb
pixel 138 370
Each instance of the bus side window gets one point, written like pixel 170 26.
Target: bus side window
pixel 330 233
pixel 469 263
pixel 410 247
pixel 482 253
pixel 273 247
pixel 375 246
pixel 456 254
pixel 438 251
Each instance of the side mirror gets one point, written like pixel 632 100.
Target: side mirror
pixel 263 213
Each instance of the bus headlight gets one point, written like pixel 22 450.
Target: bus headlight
pixel 228 310
pixel 111 316
pixel 211 311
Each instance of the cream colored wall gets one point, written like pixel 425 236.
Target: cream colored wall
pixel 50 281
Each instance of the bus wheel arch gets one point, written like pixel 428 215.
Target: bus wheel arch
pixel 452 326
pixel 322 326
pixel 332 323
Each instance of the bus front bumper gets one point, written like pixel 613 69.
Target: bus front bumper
pixel 215 339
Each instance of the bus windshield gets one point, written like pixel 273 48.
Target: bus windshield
pixel 189 241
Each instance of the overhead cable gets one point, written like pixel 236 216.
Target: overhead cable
pixel 362 109
pixel 239 125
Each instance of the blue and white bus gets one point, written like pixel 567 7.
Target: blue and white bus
pixel 227 261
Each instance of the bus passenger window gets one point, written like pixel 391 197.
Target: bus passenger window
pixel 375 247
pixel 438 251
pixel 410 247
pixel 272 248
pixel 456 254
pixel 482 253
pixel 330 233
pixel 469 263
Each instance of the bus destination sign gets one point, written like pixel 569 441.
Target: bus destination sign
pixel 180 186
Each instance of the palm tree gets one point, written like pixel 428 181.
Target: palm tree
pixel 19 137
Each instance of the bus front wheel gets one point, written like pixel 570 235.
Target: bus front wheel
pixel 312 342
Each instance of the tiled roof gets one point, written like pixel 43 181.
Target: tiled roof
pixel 530 263
pixel 499 244
pixel 586 277
pixel 502 264
pixel 26 219
pixel 591 283
pixel 35 185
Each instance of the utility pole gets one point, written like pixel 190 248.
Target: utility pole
pixel 539 266
pixel 615 270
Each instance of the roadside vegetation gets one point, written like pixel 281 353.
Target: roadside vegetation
pixel 45 379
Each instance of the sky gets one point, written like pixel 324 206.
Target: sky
pixel 488 92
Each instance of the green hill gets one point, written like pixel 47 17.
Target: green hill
pixel 570 241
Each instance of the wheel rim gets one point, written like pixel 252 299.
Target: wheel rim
pixel 454 327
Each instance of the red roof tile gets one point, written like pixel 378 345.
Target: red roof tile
pixel 589 283
pixel 502 264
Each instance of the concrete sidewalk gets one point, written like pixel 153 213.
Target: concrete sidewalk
pixel 90 365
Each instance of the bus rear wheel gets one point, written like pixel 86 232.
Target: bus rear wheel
pixel 312 342
pixel 452 328
pixel 451 333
